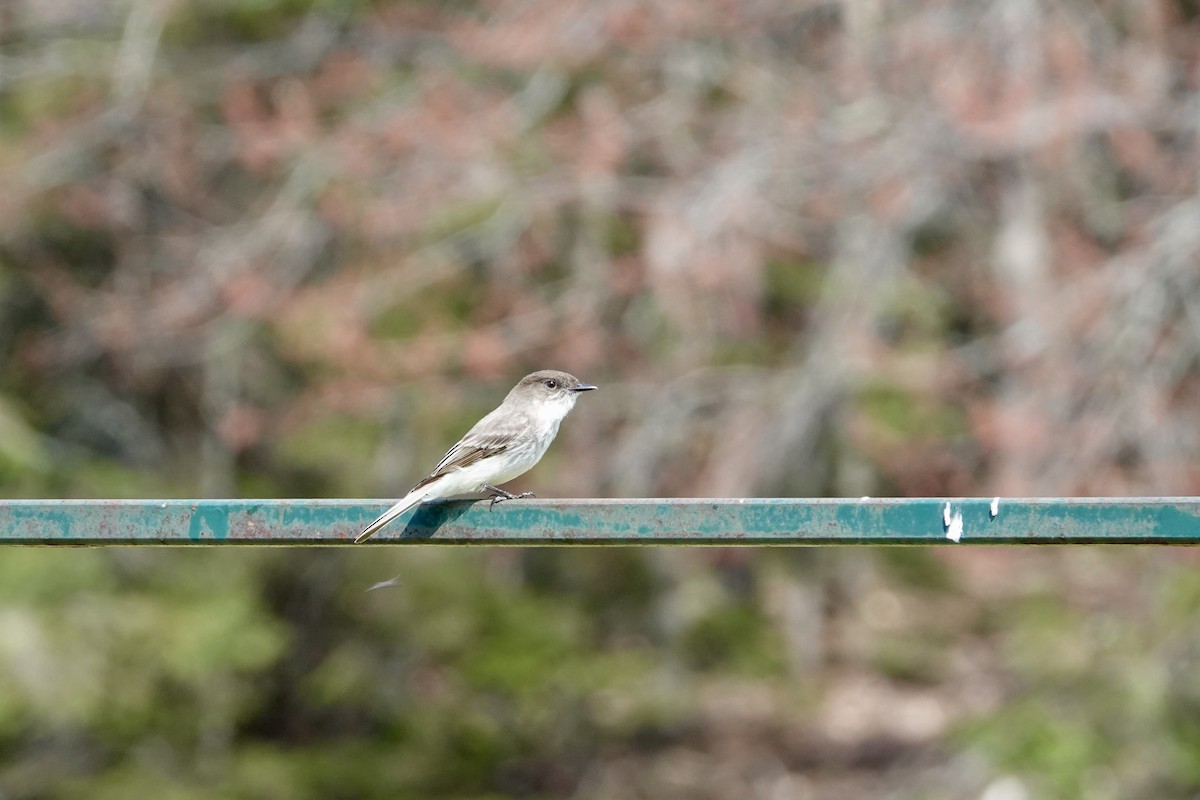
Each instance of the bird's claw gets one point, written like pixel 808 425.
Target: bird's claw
pixel 500 495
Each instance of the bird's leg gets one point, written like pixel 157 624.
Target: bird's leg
pixel 500 495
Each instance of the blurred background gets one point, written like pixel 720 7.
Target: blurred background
pixel 294 248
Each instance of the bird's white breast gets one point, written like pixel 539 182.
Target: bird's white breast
pixel 543 420
pixel 550 412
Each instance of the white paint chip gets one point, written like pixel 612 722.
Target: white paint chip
pixel 955 529
pixel 994 508
pixel 946 516
pixel 865 497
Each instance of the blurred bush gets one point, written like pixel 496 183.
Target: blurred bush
pixel 296 247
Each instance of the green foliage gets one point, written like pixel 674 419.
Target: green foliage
pixel 791 289
pixel 915 658
pixel 450 308
pixel 1102 700
pixel 734 638
pixel 335 445
pixel 105 477
pixel 22 106
pixel 89 252
pixel 235 258
pixel 908 415
pixel 35 578
pixel 249 21
pixel 462 218
pixel 916 569
pixel 1063 750
pixel 21 449
pixel 622 236
pixel 757 351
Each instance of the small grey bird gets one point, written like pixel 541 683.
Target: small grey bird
pixel 504 444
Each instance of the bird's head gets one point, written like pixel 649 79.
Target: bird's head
pixel 550 390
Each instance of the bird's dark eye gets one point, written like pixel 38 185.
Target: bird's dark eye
pixel 551 384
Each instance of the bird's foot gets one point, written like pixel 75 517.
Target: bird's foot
pixel 500 495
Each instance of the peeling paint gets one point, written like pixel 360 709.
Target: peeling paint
pixel 758 521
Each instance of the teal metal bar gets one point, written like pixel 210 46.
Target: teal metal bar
pixel 1135 520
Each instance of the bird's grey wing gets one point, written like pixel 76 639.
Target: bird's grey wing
pixel 469 450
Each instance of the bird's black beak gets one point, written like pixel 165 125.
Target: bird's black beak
pixel 582 387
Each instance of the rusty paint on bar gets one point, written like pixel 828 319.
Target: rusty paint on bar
pixel 1136 520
